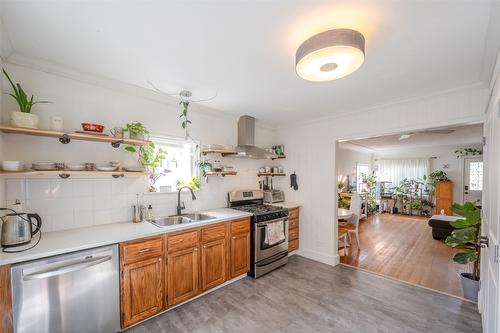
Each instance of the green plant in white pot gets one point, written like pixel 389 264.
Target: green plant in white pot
pixel 137 130
pixel 23 117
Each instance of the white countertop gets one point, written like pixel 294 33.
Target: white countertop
pixel 59 242
pixel 286 204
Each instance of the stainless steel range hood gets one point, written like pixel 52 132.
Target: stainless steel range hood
pixel 246 140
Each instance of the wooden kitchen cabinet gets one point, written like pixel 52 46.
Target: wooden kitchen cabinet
pixel 213 264
pixel 5 300
pixel 141 290
pixel 240 247
pixel 293 229
pixel 183 275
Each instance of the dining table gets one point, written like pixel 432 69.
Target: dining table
pixel 344 214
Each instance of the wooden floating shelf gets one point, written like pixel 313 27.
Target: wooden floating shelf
pixel 222 173
pixel 277 157
pixel 68 173
pixel 66 137
pixel 223 151
pixel 271 174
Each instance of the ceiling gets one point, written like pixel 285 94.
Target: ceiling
pixel 467 134
pixel 243 51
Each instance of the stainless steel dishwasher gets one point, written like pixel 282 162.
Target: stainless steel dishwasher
pixel 76 292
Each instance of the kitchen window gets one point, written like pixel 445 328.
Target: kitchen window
pixel 179 167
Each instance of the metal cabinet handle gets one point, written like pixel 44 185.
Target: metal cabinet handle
pixel 67 269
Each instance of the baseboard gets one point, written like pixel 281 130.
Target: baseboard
pixel 331 260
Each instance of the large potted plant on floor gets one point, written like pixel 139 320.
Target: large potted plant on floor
pixel 465 236
pixel 23 117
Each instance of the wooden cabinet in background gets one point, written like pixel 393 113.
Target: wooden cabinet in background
pixel 444 196
pixel 5 300
pixel 293 229
pixel 142 280
pixel 240 247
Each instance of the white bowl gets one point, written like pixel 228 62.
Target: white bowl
pixel 106 168
pixel 12 166
pixel 76 167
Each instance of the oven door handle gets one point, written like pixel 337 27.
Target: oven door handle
pixel 272 259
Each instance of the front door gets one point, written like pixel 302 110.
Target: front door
pixel 489 293
pixel 473 179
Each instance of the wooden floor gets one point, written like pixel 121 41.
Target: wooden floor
pixel 402 247
pixel 306 296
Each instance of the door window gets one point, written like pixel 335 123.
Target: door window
pixel 476 176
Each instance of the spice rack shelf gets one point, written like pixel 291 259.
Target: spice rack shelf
pixel 66 137
pixel 271 174
pixel 222 173
pixel 223 151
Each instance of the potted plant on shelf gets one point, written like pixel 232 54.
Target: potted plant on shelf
pixel 205 166
pixel 137 131
pixel 151 159
pixel 466 237
pixel 23 117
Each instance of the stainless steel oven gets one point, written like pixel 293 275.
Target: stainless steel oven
pixel 264 257
pixel 268 257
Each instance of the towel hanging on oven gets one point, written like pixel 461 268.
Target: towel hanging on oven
pixel 275 232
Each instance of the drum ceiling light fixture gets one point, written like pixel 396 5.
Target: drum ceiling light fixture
pixel 330 55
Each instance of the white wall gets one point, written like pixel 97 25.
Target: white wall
pixel 317 182
pixel 60 201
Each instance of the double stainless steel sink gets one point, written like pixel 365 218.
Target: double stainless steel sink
pixel 181 219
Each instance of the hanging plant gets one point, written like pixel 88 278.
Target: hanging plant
pixel 184 114
pixel 468 152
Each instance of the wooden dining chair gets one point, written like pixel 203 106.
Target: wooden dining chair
pixel 352 225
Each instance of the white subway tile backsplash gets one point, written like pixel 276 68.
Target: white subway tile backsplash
pixel 82 187
pixel 83 219
pixel 102 217
pixel 101 187
pixel 83 204
pixel 119 186
pixel 37 189
pixel 101 202
pixel 60 188
pixel 62 221
pixel 15 189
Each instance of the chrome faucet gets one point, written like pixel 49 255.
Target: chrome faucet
pixel 179 206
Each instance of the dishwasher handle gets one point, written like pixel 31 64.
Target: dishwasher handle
pixel 83 264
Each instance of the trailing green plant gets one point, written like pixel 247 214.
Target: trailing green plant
pixel 149 156
pixel 204 165
pixel 194 183
pixel 25 104
pixel 136 127
pixel 468 152
pixel 184 114
pixel 466 236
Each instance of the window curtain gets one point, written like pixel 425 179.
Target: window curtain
pixel 395 171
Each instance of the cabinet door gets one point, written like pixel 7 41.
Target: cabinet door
pixel 240 254
pixel 141 290
pixel 183 275
pixel 213 264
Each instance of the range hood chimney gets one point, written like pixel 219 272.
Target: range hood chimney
pixel 246 140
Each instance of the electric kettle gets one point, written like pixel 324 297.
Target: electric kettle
pixel 18 228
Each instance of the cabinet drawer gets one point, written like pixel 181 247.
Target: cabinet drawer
pixel 293 213
pixel 240 226
pixel 293 245
pixel 141 249
pixel 293 223
pixel 212 233
pixel 293 234
pixel 183 241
